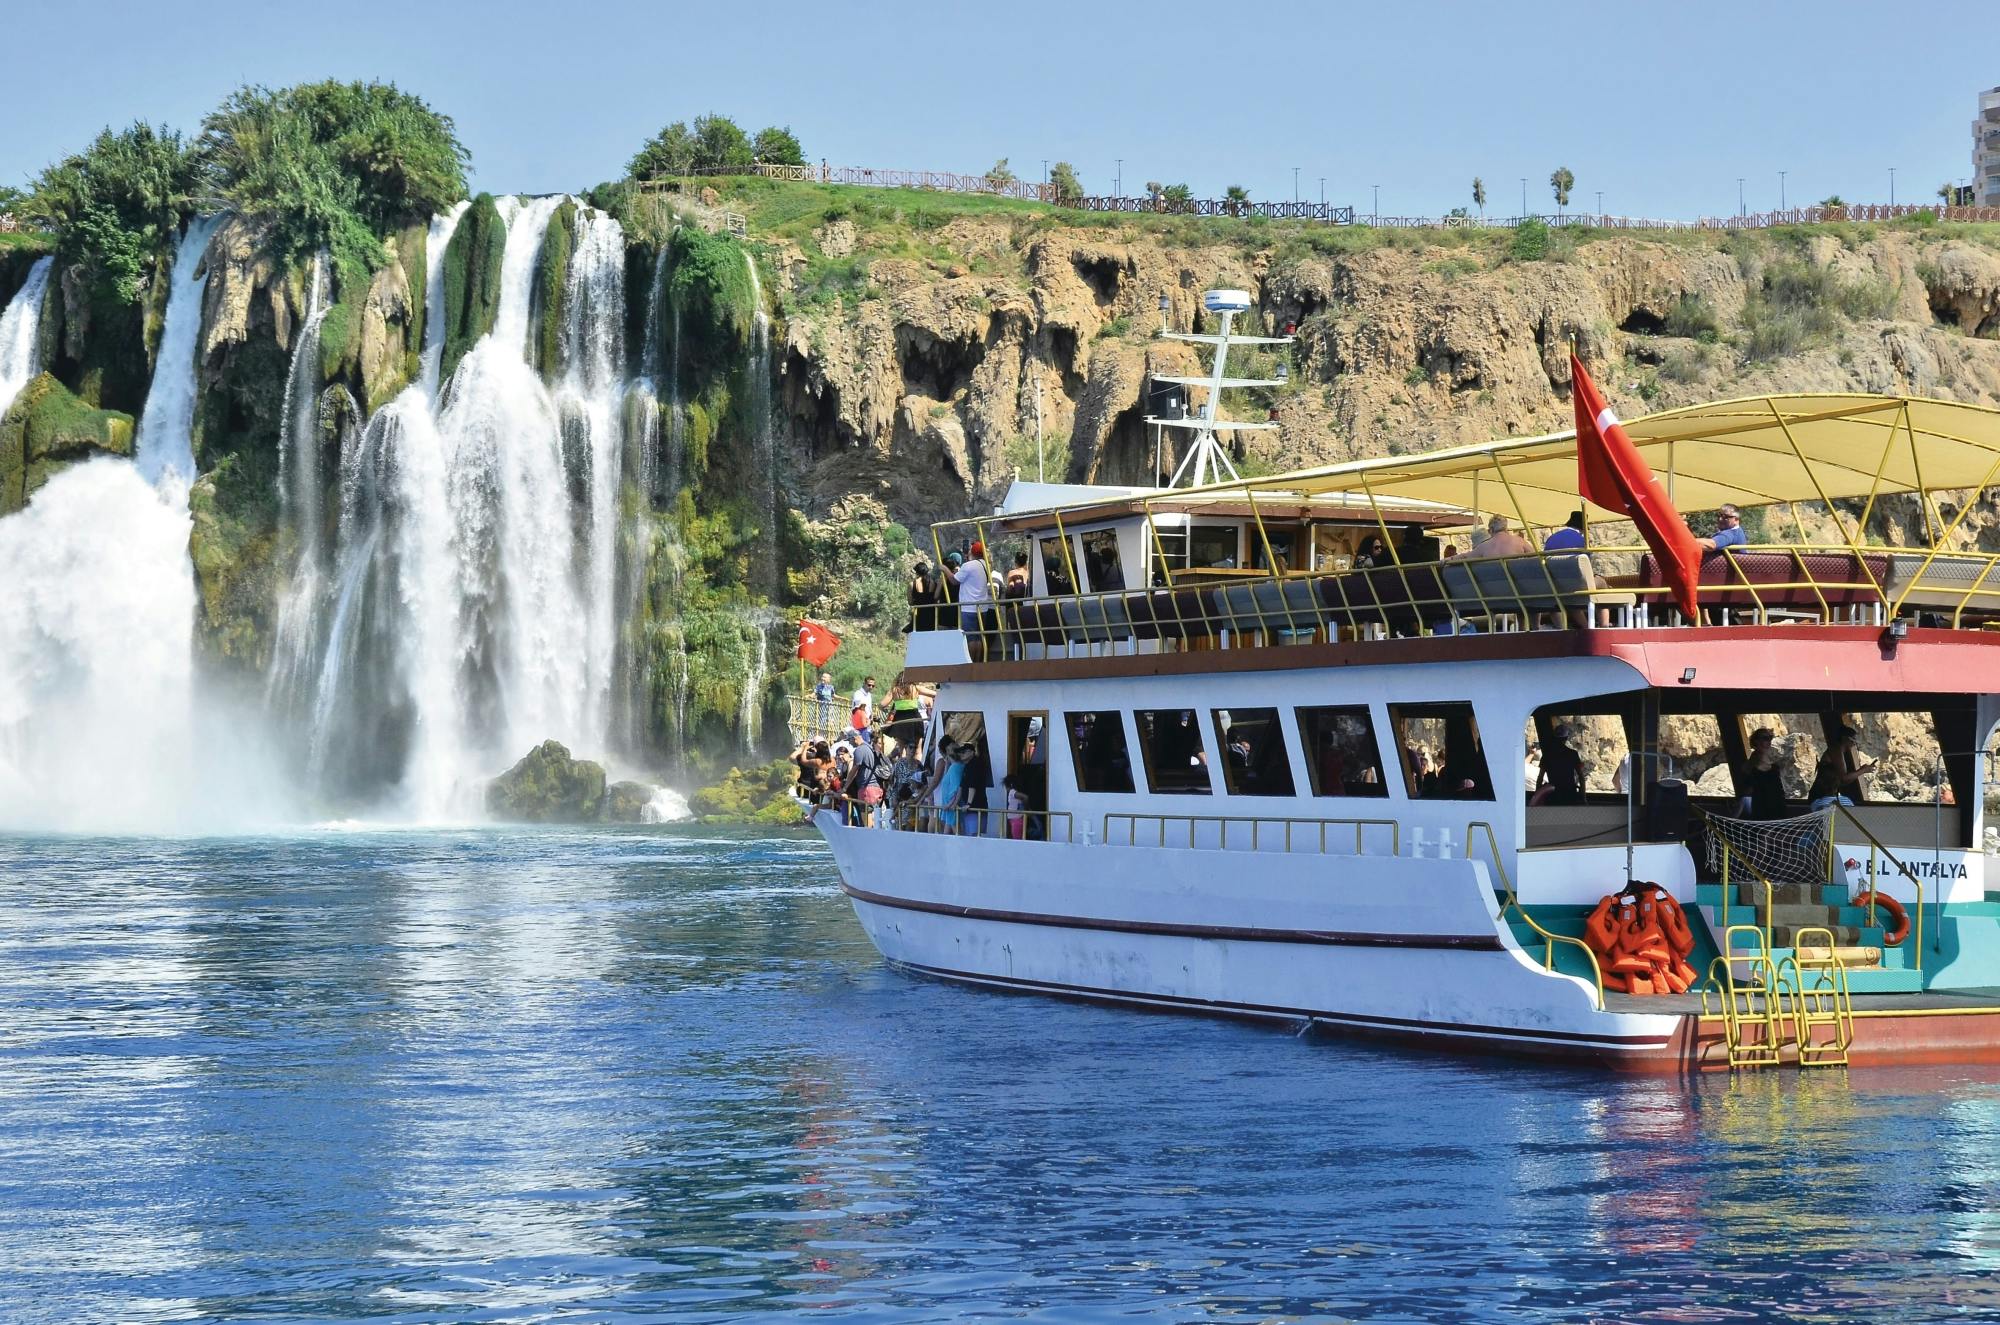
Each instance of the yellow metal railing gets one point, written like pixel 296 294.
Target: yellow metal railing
pixel 1729 886
pixel 1286 831
pixel 813 719
pixel 1512 902
pixel 1230 608
pixel 1820 998
pixel 1755 1002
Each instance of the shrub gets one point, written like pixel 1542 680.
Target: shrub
pixel 1530 242
pixel 1068 189
pixel 332 165
pixel 715 140
pixel 1694 319
pixel 115 204
pixel 1801 302
pixel 778 147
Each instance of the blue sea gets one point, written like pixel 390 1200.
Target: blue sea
pixel 659 1074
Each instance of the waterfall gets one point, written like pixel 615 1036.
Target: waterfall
pixel 757 625
pixel 443 227
pixel 165 442
pixel 21 333
pixel 764 484
pixel 97 687
pixel 302 507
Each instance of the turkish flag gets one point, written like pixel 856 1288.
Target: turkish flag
pixel 816 643
pixel 1610 472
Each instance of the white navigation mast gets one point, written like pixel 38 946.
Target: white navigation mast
pixel 1207 460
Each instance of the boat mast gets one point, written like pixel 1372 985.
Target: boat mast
pixel 1207 460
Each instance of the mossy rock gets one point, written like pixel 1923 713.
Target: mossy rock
pixel 760 794
pixel 234 547
pixel 626 802
pixel 708 285
pixel 548 786
pixel 46 430
pixel 472 263
pixel 412 247
pixel 548 307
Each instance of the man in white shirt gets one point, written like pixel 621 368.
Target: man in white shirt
pixel 864 699
pixel 974 596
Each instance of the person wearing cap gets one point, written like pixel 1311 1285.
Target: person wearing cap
pixel 1838 779
pixel 1561 779
pixel 973 596
pixel 1569 538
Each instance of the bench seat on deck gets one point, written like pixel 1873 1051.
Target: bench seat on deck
pixel 1786 581
pixel 1946 583
pixel 1528 585
pixel 1397 598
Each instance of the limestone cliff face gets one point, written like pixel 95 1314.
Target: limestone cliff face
pixel 925 394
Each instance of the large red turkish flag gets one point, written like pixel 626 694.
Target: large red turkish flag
pixel 1610 472
pixel 816 643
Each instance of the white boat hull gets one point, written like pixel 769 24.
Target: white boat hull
pixel 1390 945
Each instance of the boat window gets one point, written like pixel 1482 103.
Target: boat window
pixel 1341 753
pixel 1097 745
pixel 1028 767
pixel 1212 546
pixel 1176 762
pixel 1571 755
pixel 1102 570
pixel 1440 752
pixel 1333 547
pixel 1254 762
pixel 1055 567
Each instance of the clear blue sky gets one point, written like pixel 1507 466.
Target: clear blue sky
pixel 1662 106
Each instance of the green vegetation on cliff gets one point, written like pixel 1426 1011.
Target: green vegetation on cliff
pixel 332 165
pixel 47 428
pixel 715 140
pixel 115 204
pixel 760 794
pixel 548 786
pixel 472 264
pixel 547 311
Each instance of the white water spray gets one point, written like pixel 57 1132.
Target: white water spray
pixel 21 333
pixel 165 442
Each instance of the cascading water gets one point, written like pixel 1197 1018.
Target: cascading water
pixel 443 227
pixel 21 333
pixel 165 442
pixel 97 685
pixel 764 451
pixel 302 506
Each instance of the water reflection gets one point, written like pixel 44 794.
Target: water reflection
pixel 658 1074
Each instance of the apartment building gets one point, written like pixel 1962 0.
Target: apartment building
pixel 1986 150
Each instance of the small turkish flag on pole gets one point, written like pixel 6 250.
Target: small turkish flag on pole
pixel 816 643
pixel 1611 473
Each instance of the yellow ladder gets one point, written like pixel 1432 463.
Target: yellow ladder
pixel 1816 977
pixel 1750 1008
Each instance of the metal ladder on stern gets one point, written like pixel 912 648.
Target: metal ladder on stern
pixel 1751 1007
pixel 1815 976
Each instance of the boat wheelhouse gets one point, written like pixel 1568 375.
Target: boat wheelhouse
pixel 1275 743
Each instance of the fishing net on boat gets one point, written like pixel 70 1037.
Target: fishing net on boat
pixel 1781 850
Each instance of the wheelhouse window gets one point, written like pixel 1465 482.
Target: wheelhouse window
pixel 1097 745
pixel 1440 752
pixel 1213 546
pixel 1176 759
pixel 1341 754
pixel 1254 760
pixel 1055 567
pixel 1102 569
pixel 1285 543
pixel 1573 755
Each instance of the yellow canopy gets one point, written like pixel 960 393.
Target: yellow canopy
pixel 1750 452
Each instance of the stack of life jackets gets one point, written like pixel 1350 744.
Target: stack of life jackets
pixel 1642 941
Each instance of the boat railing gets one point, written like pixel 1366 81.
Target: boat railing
pixel 1252 832
pixel 1607 587
pixel 961 821
pixel 1511 902
pixel 814 719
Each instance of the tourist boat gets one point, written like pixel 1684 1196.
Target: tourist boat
pixel 1266 780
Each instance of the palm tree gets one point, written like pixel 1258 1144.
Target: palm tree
pixel 1237 200
pixel 1945 192
pixel 1479 195
pixel 1562 181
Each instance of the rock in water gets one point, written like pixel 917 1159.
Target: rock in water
pixel 626 802
pixel 548 786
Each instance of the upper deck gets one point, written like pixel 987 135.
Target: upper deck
pixel 1876 583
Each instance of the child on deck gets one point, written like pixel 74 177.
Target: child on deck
pixel 1017 810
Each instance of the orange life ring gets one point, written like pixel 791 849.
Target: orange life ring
pixel 1891 937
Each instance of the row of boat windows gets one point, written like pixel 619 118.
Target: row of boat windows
pixel 1439 751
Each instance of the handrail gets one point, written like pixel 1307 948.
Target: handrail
pixel 1513 901
pixel 1761 877
pixel 1256 823
pixel 1875 844
pixel 925 817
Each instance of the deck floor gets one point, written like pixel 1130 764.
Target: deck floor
pixel 1985 998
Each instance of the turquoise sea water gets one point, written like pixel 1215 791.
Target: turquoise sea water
pixel 661 1075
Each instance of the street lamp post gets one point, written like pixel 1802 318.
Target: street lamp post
pixel 1892 186
pixel 1119 186
pixel 1740 213
pixel 1781 190
pixel 1375 213
pixel 1295 186
pixel 1322 190
pixel 1600 206
pixel 1524 197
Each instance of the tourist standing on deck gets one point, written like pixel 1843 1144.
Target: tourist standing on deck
pixel 823 695
pixel 973 596
pixel 864 700
pixel 1838 780
pixel 1560 781
pixel 923 597
pixel 1764 778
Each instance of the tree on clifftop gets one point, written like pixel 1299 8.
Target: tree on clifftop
pixel 715 141
pixel 1068 189
pixel 778 147
pixel 115 203
pixel 1000 178
pixel 1562 181
pixel 1236 200
pixel 332 165
pixel 1479 194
